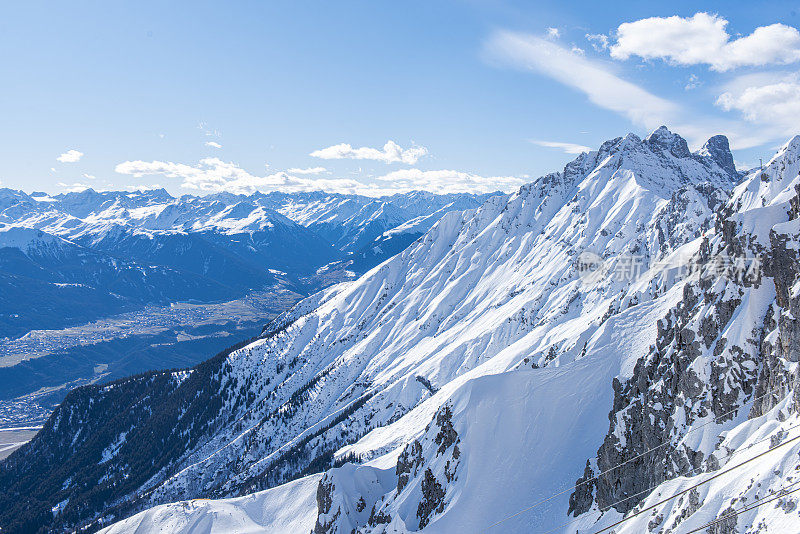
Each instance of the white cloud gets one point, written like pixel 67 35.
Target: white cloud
pixel 142 187
pixel 775 105
pixel 767 101
pixel 73 188
pixel 692 83
pixel 89 176
pixel 703 39
pixel 568 148
pixel 553 33
pixel 70 156
pixel 213 174
pixel 207 130
pixel 309 170
pixel 447 181
pixel 598 41
pixel 391 153
pixel 213 144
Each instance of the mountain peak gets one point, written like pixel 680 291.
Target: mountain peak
pixel 718 149
pixel 663 138
pixel 784 163
pixel 791 146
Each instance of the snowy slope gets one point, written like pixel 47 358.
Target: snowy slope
pixel 727 427
pixel 507 267
pixel 289 508
pixel 352 222
pixel 720 382
pixel 471 376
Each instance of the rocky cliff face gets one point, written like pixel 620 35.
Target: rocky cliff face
pixel 725 353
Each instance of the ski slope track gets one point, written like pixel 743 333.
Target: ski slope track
pixel 479 381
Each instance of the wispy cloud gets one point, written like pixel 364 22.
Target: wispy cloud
pixel 390 153
pixel 598 41
pixel 448 181
pixel 603 88
pixel 207 130
pixel 74 187
pixel 213 144
pixel 70 156
pixel 308 170
pixel 770 103
pixel 607 90
pixel 568 148
pixel 703 39
pixel 213 174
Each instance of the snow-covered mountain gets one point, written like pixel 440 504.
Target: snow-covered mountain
pixel 118 250
pixel 614 346
pixel 370 230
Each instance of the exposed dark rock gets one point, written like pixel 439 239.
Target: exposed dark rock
pixel 447 435
pixel 408 463
pixel 432 498
pixel 581 499
pixel 726 525
pixel 325 490
pixel 378 518
pixel 718 149
pixel 693 504
pixel 427 383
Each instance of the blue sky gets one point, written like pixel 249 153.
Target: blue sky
pixel 445 95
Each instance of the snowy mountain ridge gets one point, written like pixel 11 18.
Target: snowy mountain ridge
pixel 205 248
pixel 479 372
pixel 151 212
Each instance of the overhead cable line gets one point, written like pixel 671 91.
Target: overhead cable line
pixel 690 488
pixel 692 472
pixel 760 502
pixel 611 469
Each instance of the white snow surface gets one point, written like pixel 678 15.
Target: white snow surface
pixel 283 510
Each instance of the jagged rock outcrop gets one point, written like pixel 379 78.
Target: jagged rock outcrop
pixel 425 470
pixel 731 341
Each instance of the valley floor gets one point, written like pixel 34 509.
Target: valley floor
pixel 38 369
pixel 13 438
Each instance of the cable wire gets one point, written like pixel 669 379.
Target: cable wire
pixel 611 469
pixel 692 472
pixel 781 493
pixel 690 488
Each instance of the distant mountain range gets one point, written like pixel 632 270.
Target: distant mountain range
pixel 74 257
